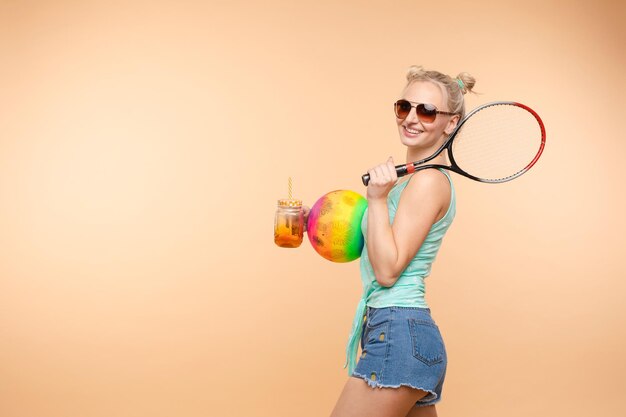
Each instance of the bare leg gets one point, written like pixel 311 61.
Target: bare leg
pixel 427 411
pixel 360 400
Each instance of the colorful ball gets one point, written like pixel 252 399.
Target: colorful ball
pixel 334 225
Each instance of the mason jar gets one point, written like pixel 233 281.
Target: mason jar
pixel 289 223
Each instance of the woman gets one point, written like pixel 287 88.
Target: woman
pixel 402 366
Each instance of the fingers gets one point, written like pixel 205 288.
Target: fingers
pixel 391 169
pixel 381 175
pixel 306 216
pixel 384 173
pixel 377 176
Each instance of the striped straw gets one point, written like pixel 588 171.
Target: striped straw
pixel 290 188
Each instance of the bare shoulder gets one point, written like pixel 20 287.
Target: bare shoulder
pixel 429 181
pixel 428 188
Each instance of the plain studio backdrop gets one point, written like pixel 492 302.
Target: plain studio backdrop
pixel 143 147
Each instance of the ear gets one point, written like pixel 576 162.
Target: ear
pixel 451 125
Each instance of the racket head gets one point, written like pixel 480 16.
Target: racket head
pixel 497 142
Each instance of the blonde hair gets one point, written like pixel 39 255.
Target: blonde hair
pixel 453 88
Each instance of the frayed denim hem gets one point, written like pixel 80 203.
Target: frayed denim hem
pixel 432 398
pixel 427 403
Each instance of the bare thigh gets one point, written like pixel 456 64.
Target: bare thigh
pixel 425 411
pixel 360 400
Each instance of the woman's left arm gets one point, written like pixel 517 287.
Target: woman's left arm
pixel 391 247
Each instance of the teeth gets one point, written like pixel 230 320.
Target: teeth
pixel 413 131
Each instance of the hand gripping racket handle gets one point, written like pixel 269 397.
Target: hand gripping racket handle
pixel 401 170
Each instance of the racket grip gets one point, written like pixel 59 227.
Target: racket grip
pixel 401 170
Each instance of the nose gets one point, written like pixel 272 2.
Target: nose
pixel 412 116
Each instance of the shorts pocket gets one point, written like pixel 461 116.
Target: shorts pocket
pixel 427 343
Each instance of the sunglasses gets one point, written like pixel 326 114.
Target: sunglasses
pixel 426 113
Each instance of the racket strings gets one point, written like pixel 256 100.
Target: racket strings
pixel 497 144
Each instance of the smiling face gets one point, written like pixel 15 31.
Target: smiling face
pixel 421 136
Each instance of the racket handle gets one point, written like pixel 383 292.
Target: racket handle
pixel 401 170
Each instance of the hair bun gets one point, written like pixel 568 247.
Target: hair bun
pixel 466 82
pixel 415 71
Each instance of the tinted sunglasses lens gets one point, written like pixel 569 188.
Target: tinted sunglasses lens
pixel 402 108
pixel 426 112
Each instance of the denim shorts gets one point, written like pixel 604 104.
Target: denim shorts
pixel 402 346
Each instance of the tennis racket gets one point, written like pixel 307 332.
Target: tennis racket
pixel 494 143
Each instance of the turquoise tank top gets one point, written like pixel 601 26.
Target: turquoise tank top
pixel 409 289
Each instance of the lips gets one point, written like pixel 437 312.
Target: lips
pixel 412 133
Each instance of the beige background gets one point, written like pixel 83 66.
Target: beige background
pixel 143 146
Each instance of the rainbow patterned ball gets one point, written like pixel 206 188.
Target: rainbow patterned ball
pixel 334 225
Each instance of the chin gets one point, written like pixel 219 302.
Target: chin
pixel 411 142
